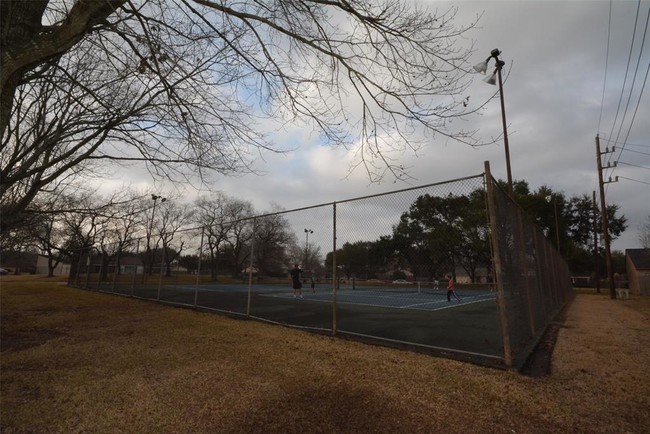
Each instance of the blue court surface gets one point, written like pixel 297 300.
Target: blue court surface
pixel 398 298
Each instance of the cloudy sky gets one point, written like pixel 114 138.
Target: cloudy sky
pixel 555 54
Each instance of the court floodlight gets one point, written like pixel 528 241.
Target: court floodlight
pixel 481 67
pixel 492 79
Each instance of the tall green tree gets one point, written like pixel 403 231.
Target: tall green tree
pixel 439 234
pixel 354 259
pixel 575 222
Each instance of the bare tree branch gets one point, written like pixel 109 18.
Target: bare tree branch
pixel 188 87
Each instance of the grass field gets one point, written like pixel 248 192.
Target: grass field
pixel 77 361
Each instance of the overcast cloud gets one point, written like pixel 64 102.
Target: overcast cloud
pixel 555 63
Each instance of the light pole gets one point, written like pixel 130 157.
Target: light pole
pixel 492 79
pixel 307 232
pixel 153 211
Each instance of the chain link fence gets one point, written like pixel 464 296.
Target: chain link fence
pixel 374 269
pixel 533 280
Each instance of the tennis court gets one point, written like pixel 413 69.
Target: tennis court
pixel 398 298
pixel 411 297
pixel 420 319
pixel 375 250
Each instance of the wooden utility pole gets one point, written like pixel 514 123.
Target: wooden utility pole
pixel 603 210
pixel 596 259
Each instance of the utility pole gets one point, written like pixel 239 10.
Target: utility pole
pixel 596 261
pixel 603 210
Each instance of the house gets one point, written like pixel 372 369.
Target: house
pixel 637 262
pixel 62 268
pixel 128 265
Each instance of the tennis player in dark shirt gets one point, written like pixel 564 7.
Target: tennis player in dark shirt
pixel 295 280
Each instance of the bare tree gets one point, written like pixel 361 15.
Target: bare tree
pixel 183 85
pixel 173 218
pixel 644 234
pixel 213 218
pixel 273 240
pixel 122 222
pixel 313 258
pixel 240 234
pixel 83 228
pixel 226 223
pixel 126 225
pixel 47 236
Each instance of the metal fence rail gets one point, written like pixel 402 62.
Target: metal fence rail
pixel 373 268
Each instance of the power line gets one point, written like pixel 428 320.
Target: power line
pixel 645 79
pixel 636 152
pixel 636 70
pixel 628 144
pixel 623 114
pixel 638 145
pixel 634 165
pixel 602 99
pixel 627 69
pixel 635 180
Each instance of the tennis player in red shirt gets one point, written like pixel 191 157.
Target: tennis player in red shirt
pixel 451 288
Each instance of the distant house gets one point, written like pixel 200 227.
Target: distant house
pixel 637 262
pixel 62 268
pixel 131 265
pixel 128 265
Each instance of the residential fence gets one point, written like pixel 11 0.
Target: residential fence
pixel 374 268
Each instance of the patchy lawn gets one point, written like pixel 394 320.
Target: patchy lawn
pixel 77 361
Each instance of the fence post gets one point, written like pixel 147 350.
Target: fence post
pixel 553 288
pixel 540 259
pixel 88 261
pixel 524 268
pixel 250 272
pixel 548 296
pixel 101 269
pixel 198 269
pixel 162 268
pixel 116 268
pixel 77 277
pixel 135 271
pixel 556 272
pixel 498 270
pixel 334 273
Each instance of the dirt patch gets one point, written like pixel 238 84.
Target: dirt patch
pixel 19 338
pixel 539 362
pixel 25 339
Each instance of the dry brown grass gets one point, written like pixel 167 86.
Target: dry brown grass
pixel 76 361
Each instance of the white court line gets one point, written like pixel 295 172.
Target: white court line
pixel 473 299
pixel 417 306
